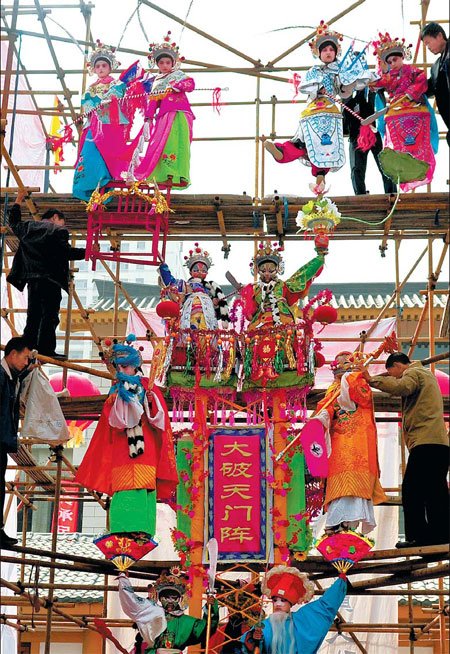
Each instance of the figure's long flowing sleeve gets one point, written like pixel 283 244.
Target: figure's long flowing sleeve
pixel 149 617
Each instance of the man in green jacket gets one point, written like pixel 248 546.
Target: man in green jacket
pixel 424 490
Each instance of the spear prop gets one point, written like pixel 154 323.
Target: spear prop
pixel 213 550
pixel 388 345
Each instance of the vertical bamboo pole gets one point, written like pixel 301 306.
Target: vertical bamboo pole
pixel 257 128
pixel 279 500
pixel 431 284
pixel 51 581
pixel 86 11
pixel 116 300
pixel 68 317
pixel 398 315
pixel 198 522
pixel 442 628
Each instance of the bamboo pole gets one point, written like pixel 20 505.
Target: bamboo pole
pixel 342 622
pixel 48 633
pixel 257 130
pixel 313 34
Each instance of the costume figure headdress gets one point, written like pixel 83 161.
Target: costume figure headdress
pixel 196 255
pixel 268 252
pixel 175 580
pixel 288 583
pixel 387 46
pixel 108 53
pixel 167 48
pixel 122 353
pixel 352 361
pixel 325 35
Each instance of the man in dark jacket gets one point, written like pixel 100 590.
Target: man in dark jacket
pixel 42 264
pixel 363 103
pixel 435 39
pixel 16 361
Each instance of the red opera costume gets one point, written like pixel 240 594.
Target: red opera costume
pixel 108 468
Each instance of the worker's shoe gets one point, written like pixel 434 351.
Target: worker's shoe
pixel 7 541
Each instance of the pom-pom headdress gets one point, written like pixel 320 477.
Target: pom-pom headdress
pixel 175 581
pixel 167 48
pixel 198 254
pixel 387 46
pixel 289 583
pixel 122 353
pixel 325 35
pixel 268 252
pixel 105 52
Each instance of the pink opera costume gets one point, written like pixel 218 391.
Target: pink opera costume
pixel 409 125
pixel 319 140
pixel 167 156
pixel 103 151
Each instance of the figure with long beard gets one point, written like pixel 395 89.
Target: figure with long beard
pixel 295 632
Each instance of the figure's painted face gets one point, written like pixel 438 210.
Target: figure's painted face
pixel 126 370
pixel 267 271
pixel 170 600
pixel 281 605
pixel 435 44
pixel 395 61
pixel 199 270
pixel 328 54
pixel 102 69
pixel 165 64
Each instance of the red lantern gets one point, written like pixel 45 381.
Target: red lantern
pixel 168 309
pixel 319 359
pixel 78 386
pixel 325 314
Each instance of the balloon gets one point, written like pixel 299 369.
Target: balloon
pixel 78 386
pixel 443 380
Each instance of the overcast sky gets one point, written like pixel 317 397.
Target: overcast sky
pixel 228 166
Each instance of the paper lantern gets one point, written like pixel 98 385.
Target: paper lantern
pixel 168 309
pixel 78 386
pixel 325 314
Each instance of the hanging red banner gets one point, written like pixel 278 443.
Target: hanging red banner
pixel 237 503
pixel 68 510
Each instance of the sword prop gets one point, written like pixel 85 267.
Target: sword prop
pixel 213 550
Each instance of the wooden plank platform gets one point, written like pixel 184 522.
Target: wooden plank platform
pixel 416 215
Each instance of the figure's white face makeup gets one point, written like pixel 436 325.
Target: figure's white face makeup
pixel 102 69
pixel 327 54
pixel 281 605
pixel 267 271
pixel 395 62
pixel 165 64
pixel 199 270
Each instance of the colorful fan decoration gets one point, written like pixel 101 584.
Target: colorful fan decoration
pixel 344 549
pixel 124 549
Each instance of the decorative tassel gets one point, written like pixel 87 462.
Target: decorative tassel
pixel 223 415
pixel 247 359
pixel 289 351
pixel 230 360
pixel 219 368
pixel 367 138
pixel 216 408
pixel 167 361
pixel 188 367
pixel 217 99
pixel 208 355
pixel 191 411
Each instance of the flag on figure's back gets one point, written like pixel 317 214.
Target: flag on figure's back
pixel 57 136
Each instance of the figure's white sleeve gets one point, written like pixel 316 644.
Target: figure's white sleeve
pixel 149 617
pixel 158 420
pixel 124 415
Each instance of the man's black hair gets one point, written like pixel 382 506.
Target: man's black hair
pixel 432 29
pixel 18 343
pixel 397 357
pixel 48 215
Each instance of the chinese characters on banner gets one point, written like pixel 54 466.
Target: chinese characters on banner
pixel 237 502
pixel 68 510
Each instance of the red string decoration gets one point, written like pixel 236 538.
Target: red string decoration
pixel 295 81
pixel 57 146
pixel 217 99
